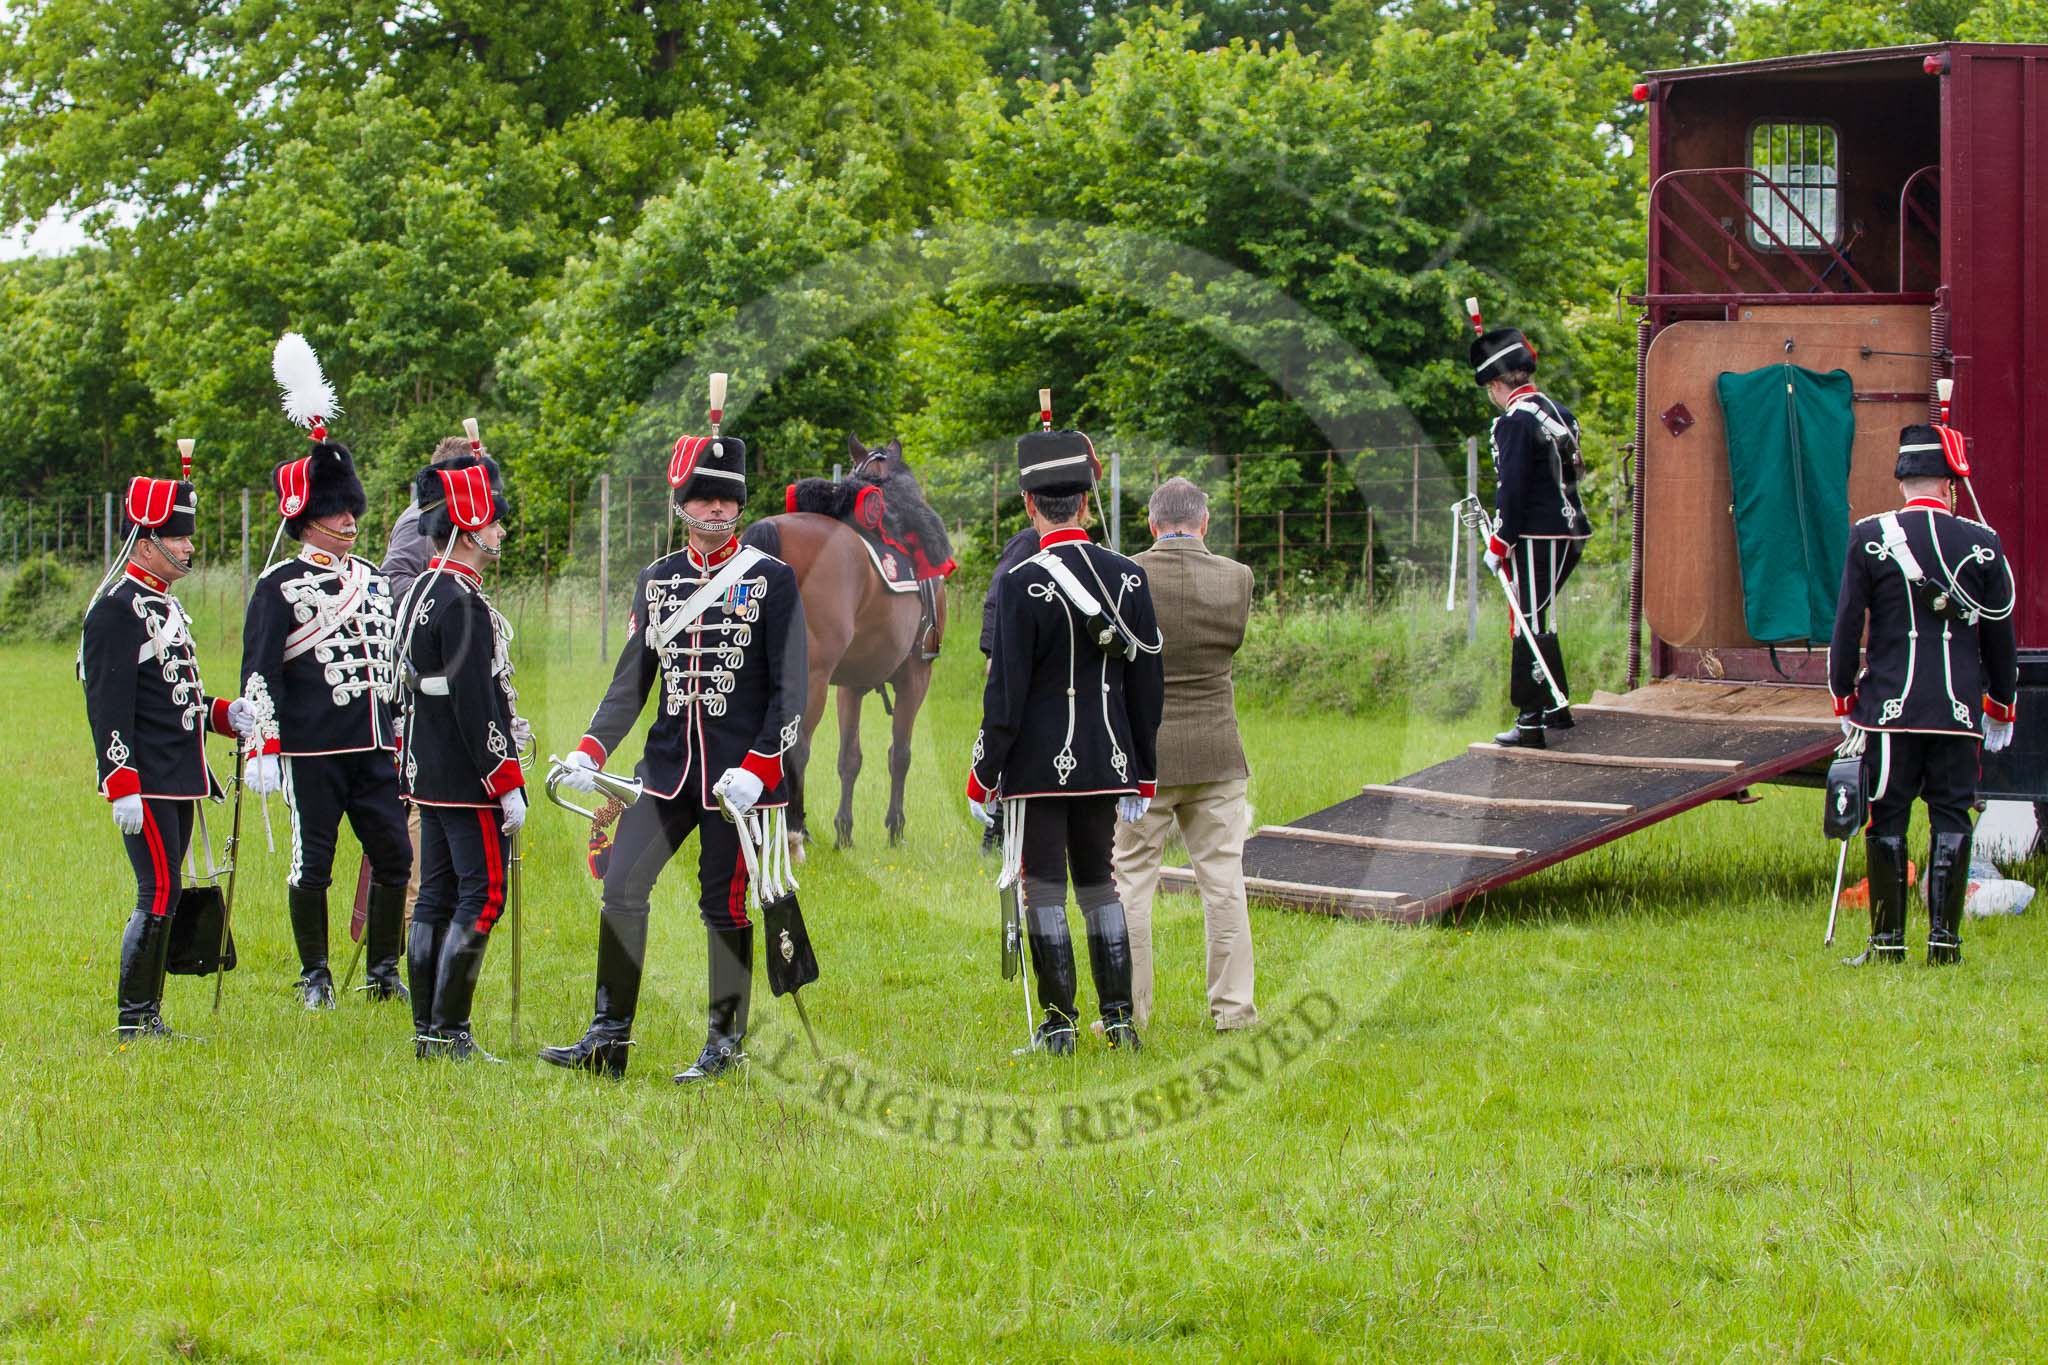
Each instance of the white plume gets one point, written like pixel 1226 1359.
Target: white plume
pixel 308 397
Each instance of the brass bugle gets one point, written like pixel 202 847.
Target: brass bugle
pixel 624 790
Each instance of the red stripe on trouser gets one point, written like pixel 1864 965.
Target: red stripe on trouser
pixel 160 898
pixel 494 872
pixel 736 896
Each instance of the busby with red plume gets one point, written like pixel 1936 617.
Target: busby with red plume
pixel 1056 463
pixel 164 507
pixel 709 466
pixel 322 483
pixel 465 494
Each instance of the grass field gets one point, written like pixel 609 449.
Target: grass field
pixel 1628 1110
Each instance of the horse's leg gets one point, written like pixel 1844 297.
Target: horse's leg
pixel 814 711
pixel 912 681
pixel 849 764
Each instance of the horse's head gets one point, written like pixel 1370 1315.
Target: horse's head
pixel 877 465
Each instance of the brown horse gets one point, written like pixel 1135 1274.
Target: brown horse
pixel 861 636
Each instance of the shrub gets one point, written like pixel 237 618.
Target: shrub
pixel 40 602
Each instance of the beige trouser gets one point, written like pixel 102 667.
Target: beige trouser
pixel 1212 818
pixel 412 885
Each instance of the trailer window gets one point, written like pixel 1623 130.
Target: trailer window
pixel 1797 207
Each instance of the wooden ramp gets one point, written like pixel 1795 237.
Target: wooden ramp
pixel 1411 849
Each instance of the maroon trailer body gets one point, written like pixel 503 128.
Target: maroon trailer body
pixel 1882 212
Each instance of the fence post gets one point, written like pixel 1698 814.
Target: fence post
pixel 604 566
pixel 1116 501
pixel 107 533
pixel 1371 581
pixel 629 516
pixel 1471 544
pixel 245 547
pixel 1329 487
pixel 1237 506
pixel 1415 497
pixel 1281 523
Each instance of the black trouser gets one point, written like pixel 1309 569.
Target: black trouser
pixel 157 852
pixel 320 789
pixel 1068 839
pixel 651 831
pixel 1940 770
pixel 1538 570
pixel 463 879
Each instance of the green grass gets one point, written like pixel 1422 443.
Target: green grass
pixel 1628 1110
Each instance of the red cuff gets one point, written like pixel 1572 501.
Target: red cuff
pixel 504 778
pixel 1844 705
pixel 589 746
pixel 123 781
pixel 1148 790
pixel 975 791
pixel 2001 711
pixel 218 718
pixel 789 499
pixel 1497 547
pixel 767 767
pixel 273 745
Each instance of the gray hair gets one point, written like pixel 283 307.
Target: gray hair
pixel 1178 505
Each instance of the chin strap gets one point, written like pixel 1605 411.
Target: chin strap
pixel 478 541
pixel 722 528
pixel 184 565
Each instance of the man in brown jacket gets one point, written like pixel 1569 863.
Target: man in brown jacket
pixel 1203 602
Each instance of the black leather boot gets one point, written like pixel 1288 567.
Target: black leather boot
pixel 1885 855
pixel 1527 734
pixel 309 931
pixel 381 941
pixel 1553 655
pixel 1052 964
pixel 139 990
pixel 1558 719
pixel 1109 960
pixel 462 962
pixel 730 968
pixel 423 966
pixel 621 952
pixel 1947 884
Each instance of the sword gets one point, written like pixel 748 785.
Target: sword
pixel 1473 514
pixel 1835 902
pixel 515 898
pixel 227 911
pixel 1013 919
pixel 358 918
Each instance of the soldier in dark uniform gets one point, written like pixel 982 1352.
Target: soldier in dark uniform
pixel 460 749
pixel 1541 528
pixel 1015 551
pixel 1070 715
pixel 149 718
pixel 718 630
pixel 1939 670
pixel 317 664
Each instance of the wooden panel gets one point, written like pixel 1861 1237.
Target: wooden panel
pixel 1504 802
pixel 1329 836
pixel 1697 765
pixel 1692 577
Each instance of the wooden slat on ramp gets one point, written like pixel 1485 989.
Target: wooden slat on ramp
pixel 1412 849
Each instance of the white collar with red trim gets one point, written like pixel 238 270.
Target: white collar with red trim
pixel 718 556
pixel 147 579
pixel 1066 535
pixel 454 566
pixel 323 559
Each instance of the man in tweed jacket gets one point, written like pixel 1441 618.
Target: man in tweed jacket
pixel 1203 602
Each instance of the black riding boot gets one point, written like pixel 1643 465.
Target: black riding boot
pixel 1109 959
pixel 1885 855
pixel 1052 964
pixel 1553 655
pixel 382 931
pixel 139 990
pixel 423 965
pixel 1526 734
pixel 309 931
pixel 1948 882
pixel 730 967
pixel 621 952
pixel 462 962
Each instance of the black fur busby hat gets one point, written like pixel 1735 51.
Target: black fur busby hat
pixel 1057 463
pixel 317 486
pixel 1931 452
pixel 168 507
pixel 708 466
pixel 466 493
pixel 1501 352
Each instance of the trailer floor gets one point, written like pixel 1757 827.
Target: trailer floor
pixel 1410 850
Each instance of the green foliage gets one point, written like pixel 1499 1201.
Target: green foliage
pixel 40 602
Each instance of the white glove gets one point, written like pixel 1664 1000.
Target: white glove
pixel 513 803
pixel 242 718
pixel 1131 809
pixel 522 733
pixel 579 772
pixel 128 814
pixel 1493 562
pixel 265 774
pixel 980 811
pixel 739 788
pixel 1997 734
